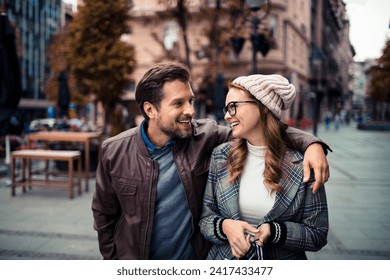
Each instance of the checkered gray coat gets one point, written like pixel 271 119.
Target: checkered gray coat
pixel 305 214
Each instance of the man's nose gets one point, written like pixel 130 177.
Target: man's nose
pixel 189 110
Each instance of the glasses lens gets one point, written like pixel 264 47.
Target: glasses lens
pixel 231 108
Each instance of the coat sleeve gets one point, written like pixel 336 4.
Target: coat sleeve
pixel 310 234
pixel 303 139
pixel 105 208
pixel 211 218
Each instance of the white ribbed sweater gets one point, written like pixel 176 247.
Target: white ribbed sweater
pixel 255 199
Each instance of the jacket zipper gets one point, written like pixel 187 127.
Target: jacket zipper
pixel 149 203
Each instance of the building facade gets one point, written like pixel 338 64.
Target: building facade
pixel 307 42
pixel 157 36
pixel 331 59
pixel 35 22
pixel 310 46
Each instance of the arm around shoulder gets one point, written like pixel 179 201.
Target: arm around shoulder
pixel 303 139
pixel 314 158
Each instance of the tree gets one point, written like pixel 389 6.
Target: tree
pixel 379 89
pixel 57 60
pixel 218 31
pixel 225 20
pixel 99 60
pixel 222 18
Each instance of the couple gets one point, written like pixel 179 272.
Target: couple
pixel 164 192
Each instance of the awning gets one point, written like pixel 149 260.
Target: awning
pixel 29 103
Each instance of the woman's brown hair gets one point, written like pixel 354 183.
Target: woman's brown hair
pixel 276 140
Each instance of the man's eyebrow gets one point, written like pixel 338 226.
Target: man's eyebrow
pixel 174 100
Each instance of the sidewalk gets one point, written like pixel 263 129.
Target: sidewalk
pixel 358 194
pixel 45 224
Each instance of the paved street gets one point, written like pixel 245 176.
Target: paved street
pixel 45 224
pixel 358 195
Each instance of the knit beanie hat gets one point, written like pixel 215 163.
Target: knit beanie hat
pixel 273 91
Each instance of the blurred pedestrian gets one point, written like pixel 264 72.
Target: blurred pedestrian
pixel 337 120
pixel 327 120
pixel 348 118
pixel 150 179
pixel 255 186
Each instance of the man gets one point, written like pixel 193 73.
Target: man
pixel 150 179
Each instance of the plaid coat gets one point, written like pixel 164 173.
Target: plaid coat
pixel 305 214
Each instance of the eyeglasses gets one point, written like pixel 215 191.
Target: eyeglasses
pixel 231 107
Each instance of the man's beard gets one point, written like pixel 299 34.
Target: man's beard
pixel 174 133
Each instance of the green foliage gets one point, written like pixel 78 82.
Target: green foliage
pixel 100 61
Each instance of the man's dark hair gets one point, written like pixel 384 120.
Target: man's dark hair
pixel 150 87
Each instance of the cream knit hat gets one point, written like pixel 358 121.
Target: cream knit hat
pixel 274 91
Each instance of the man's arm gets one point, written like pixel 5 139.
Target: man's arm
pixel 315 156
pixel 105 209
pixel 304 139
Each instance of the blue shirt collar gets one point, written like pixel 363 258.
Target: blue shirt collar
pixel 149 145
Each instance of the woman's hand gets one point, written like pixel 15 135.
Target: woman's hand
pixel 235 232
pixel 264 232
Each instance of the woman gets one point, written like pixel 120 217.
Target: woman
pixel 255 204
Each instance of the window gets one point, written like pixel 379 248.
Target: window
pixel 273 26
pixel 171 34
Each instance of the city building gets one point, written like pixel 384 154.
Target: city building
pixel 157 36
pixel 35 22
pixel 305 41
pixel 359 85
pixel 309 45
pixel 331 59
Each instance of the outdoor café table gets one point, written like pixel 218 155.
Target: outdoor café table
pixel 65 136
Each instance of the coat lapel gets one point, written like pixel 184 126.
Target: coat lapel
pixel 291 181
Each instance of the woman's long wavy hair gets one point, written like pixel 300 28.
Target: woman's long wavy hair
pixel 276 140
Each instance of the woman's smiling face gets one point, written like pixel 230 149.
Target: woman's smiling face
pixel 245 123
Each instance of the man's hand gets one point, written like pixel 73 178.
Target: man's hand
pixel 315 158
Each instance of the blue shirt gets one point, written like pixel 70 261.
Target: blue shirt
pixel 172 216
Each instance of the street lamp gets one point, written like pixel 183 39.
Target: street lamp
pixel 259 40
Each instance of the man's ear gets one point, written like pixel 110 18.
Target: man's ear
pixel 150 110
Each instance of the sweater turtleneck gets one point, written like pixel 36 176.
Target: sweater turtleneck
pixel 255 199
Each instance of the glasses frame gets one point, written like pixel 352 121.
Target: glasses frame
pixel 234 107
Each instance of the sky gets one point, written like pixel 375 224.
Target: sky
pixel 369 26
